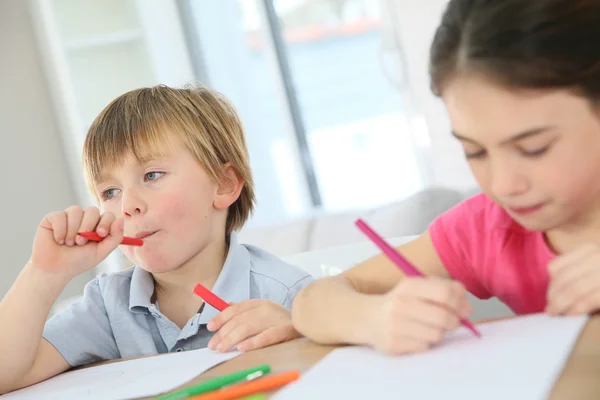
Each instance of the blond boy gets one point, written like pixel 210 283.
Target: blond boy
pixel 169 166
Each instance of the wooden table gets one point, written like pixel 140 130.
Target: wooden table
pixel 580 379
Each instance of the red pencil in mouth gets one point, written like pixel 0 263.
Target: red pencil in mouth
pixel 128 241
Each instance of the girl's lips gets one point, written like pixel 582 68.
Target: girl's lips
pixel 527 210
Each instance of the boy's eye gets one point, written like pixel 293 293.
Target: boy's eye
pixel 109 193
pixel 152 176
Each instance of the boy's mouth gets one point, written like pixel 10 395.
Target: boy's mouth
pixel 145 234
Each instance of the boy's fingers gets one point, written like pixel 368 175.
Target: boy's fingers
pixel 58 225
pixel 221 319
pixel 91 217
pixel 74 217
pixel 227 314
pixel 268 337
pixel 105 224
pixel 225 331
pixel 242 330
pixel 112 241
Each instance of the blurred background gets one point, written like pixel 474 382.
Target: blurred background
pixel 334 96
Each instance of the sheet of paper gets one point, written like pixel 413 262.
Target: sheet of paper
pixel 519 358
pixel 132 379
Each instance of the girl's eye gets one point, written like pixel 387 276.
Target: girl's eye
pixel 476 155
pixel 535 152
pixel 109 193
pixel 152 176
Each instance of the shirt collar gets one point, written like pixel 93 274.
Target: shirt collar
pixel 232 285
pixel 140 290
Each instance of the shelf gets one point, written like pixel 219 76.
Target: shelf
pixel 104 40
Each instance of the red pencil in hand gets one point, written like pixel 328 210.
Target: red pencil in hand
pixel 210 297
pixel 128 241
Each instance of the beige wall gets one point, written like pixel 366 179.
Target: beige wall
pixel 35 178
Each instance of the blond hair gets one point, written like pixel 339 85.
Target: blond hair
pixel 148 120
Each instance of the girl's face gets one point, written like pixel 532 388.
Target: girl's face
pixel 536 153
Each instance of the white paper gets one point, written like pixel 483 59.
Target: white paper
pixel 132 379
pixel 518 358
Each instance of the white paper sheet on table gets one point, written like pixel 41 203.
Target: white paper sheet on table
pixel 519 358
pixel 131 379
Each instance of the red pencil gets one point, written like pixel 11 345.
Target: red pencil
pixel 402 263
pixel 210 297
pixel 129 241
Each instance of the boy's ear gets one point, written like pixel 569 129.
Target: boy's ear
pixel 229 188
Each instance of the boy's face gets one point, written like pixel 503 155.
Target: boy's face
pixel 171 203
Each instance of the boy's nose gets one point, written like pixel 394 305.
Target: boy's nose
pixel 132 204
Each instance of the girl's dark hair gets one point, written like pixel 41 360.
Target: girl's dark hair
pixel 533 44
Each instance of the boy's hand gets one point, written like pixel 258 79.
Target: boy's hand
pixel 250 325
pixel 57 247
pixel 575 282
pixel 415 315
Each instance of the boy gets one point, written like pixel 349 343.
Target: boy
pixel 169 166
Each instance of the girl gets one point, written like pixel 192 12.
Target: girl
pixel 521 83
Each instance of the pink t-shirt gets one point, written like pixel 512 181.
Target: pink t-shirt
pixel 492 255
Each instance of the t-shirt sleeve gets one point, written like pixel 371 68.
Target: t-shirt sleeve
pixel 82 333
pixel 295 289
pixel 457 236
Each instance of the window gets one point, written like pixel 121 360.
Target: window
pixel 308 78
pixel 326 130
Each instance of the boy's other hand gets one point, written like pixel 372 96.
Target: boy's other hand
pixel 250 325
pixel 57 248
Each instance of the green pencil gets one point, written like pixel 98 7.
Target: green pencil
pixel 217 383
pixel 258 396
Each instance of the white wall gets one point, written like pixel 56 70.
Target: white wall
pixel 35 178
pixel 415 23
pixel 30 141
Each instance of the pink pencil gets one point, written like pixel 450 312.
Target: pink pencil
pixel 401 262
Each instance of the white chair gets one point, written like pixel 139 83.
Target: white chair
pixel 332 261
pixel 323 230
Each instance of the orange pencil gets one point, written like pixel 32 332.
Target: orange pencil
pixel 257 386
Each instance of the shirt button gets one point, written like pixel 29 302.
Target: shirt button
pixel 179 349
